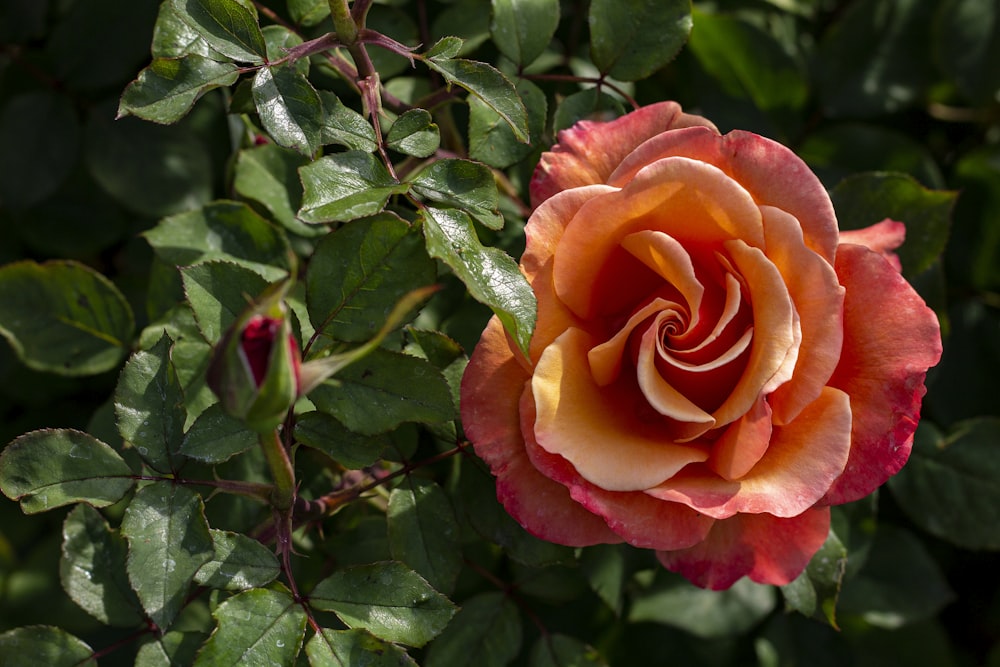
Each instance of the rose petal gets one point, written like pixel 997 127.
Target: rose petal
pixel 882 237
pixel 891 338
pixel 639 519
pixel 599 430
pixel 743 444
pixel 606 359
pixel 690 201
pixel 767 549
pixel 491 390
pixel 819 300
pixel 588 152
pixel 770 172
pixel 803 459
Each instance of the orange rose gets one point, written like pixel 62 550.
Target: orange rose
pixel 713 365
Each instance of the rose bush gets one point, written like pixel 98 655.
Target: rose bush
pixel 714 364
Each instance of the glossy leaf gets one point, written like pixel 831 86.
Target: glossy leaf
pixel 522 29
pixel 63 317
pixel 490 86
pixel 39 146
pixel 92 568
pixel 815 592
pixel 219 292
pixel 445 48
pixel 167 89
pixel 709 614
pixel 558 650
pixel 865 199
pixel 385 390
pixel 423 532
pixel 414 133
pixel 352 450
pixel 359 272
pixel 258 627
pixel 350 648
pixel 35 645
pixel 388 599
pixel 149 405
pixel 168 542
pixel 486 632
pixel 173 38
pixel 308 12
pixel 463 184
pixel 239 563
pixel 230 27
pixel 289 108
pixel 215 436
pixel 221 230
pixel 268 175
pixel 490 275
pixel 591 104
pixel 172 648
pixel 345 186
pixel 491 139
pixel 951 485
pixel 55 467
pixel 631 39
pixel 883 592
pixel 345 126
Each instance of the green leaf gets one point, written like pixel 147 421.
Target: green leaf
pixel 423 532
pixel 258 627
pixel 354 648
pixel 875 58
pixel 280 40
pixel 35 645
pixel 190 356
pixel 967 36
pixel 522 29
pixel 346 186
pixel 384 390
pixel 289 108
pixel 414 133
pixel 883 592
pixel 556 650
pixel 352 450
pixel 865 199
pixel 92 568
pixel 951 485
pixel 55 467
pixel 149 406
pixel 219 292
pixel 153 170
pixel 359 272
pixel 388 599
pixel 490 86
pixel 168 542
pixel 345 126
pixel 167 89
pixel 63 317
pixel 308 13
pixel 222 230
pixel 229 27
pixel 445 48
pixel 173 38
pixel 671 600
pixel 239 563
pixel 490 275
pixel 486 632
pixel 39 146
pixel 604 567
pixel 170 649
pixel 268 174
pixel 590 104
pixel 491 139
pixel 814 593
pixel 215 436
pixel 466 185
pixel 631 39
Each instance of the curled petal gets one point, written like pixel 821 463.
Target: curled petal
pixel 882 237
pixel 588 152
pixel 891 338
pixel 765 548
pixel 491 389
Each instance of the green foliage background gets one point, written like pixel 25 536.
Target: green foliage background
pixel 894 103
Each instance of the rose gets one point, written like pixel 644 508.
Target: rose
pixel 713 366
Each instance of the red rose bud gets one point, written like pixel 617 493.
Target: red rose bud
pixel 255 369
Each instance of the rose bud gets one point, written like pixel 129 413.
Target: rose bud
pixel 255 369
